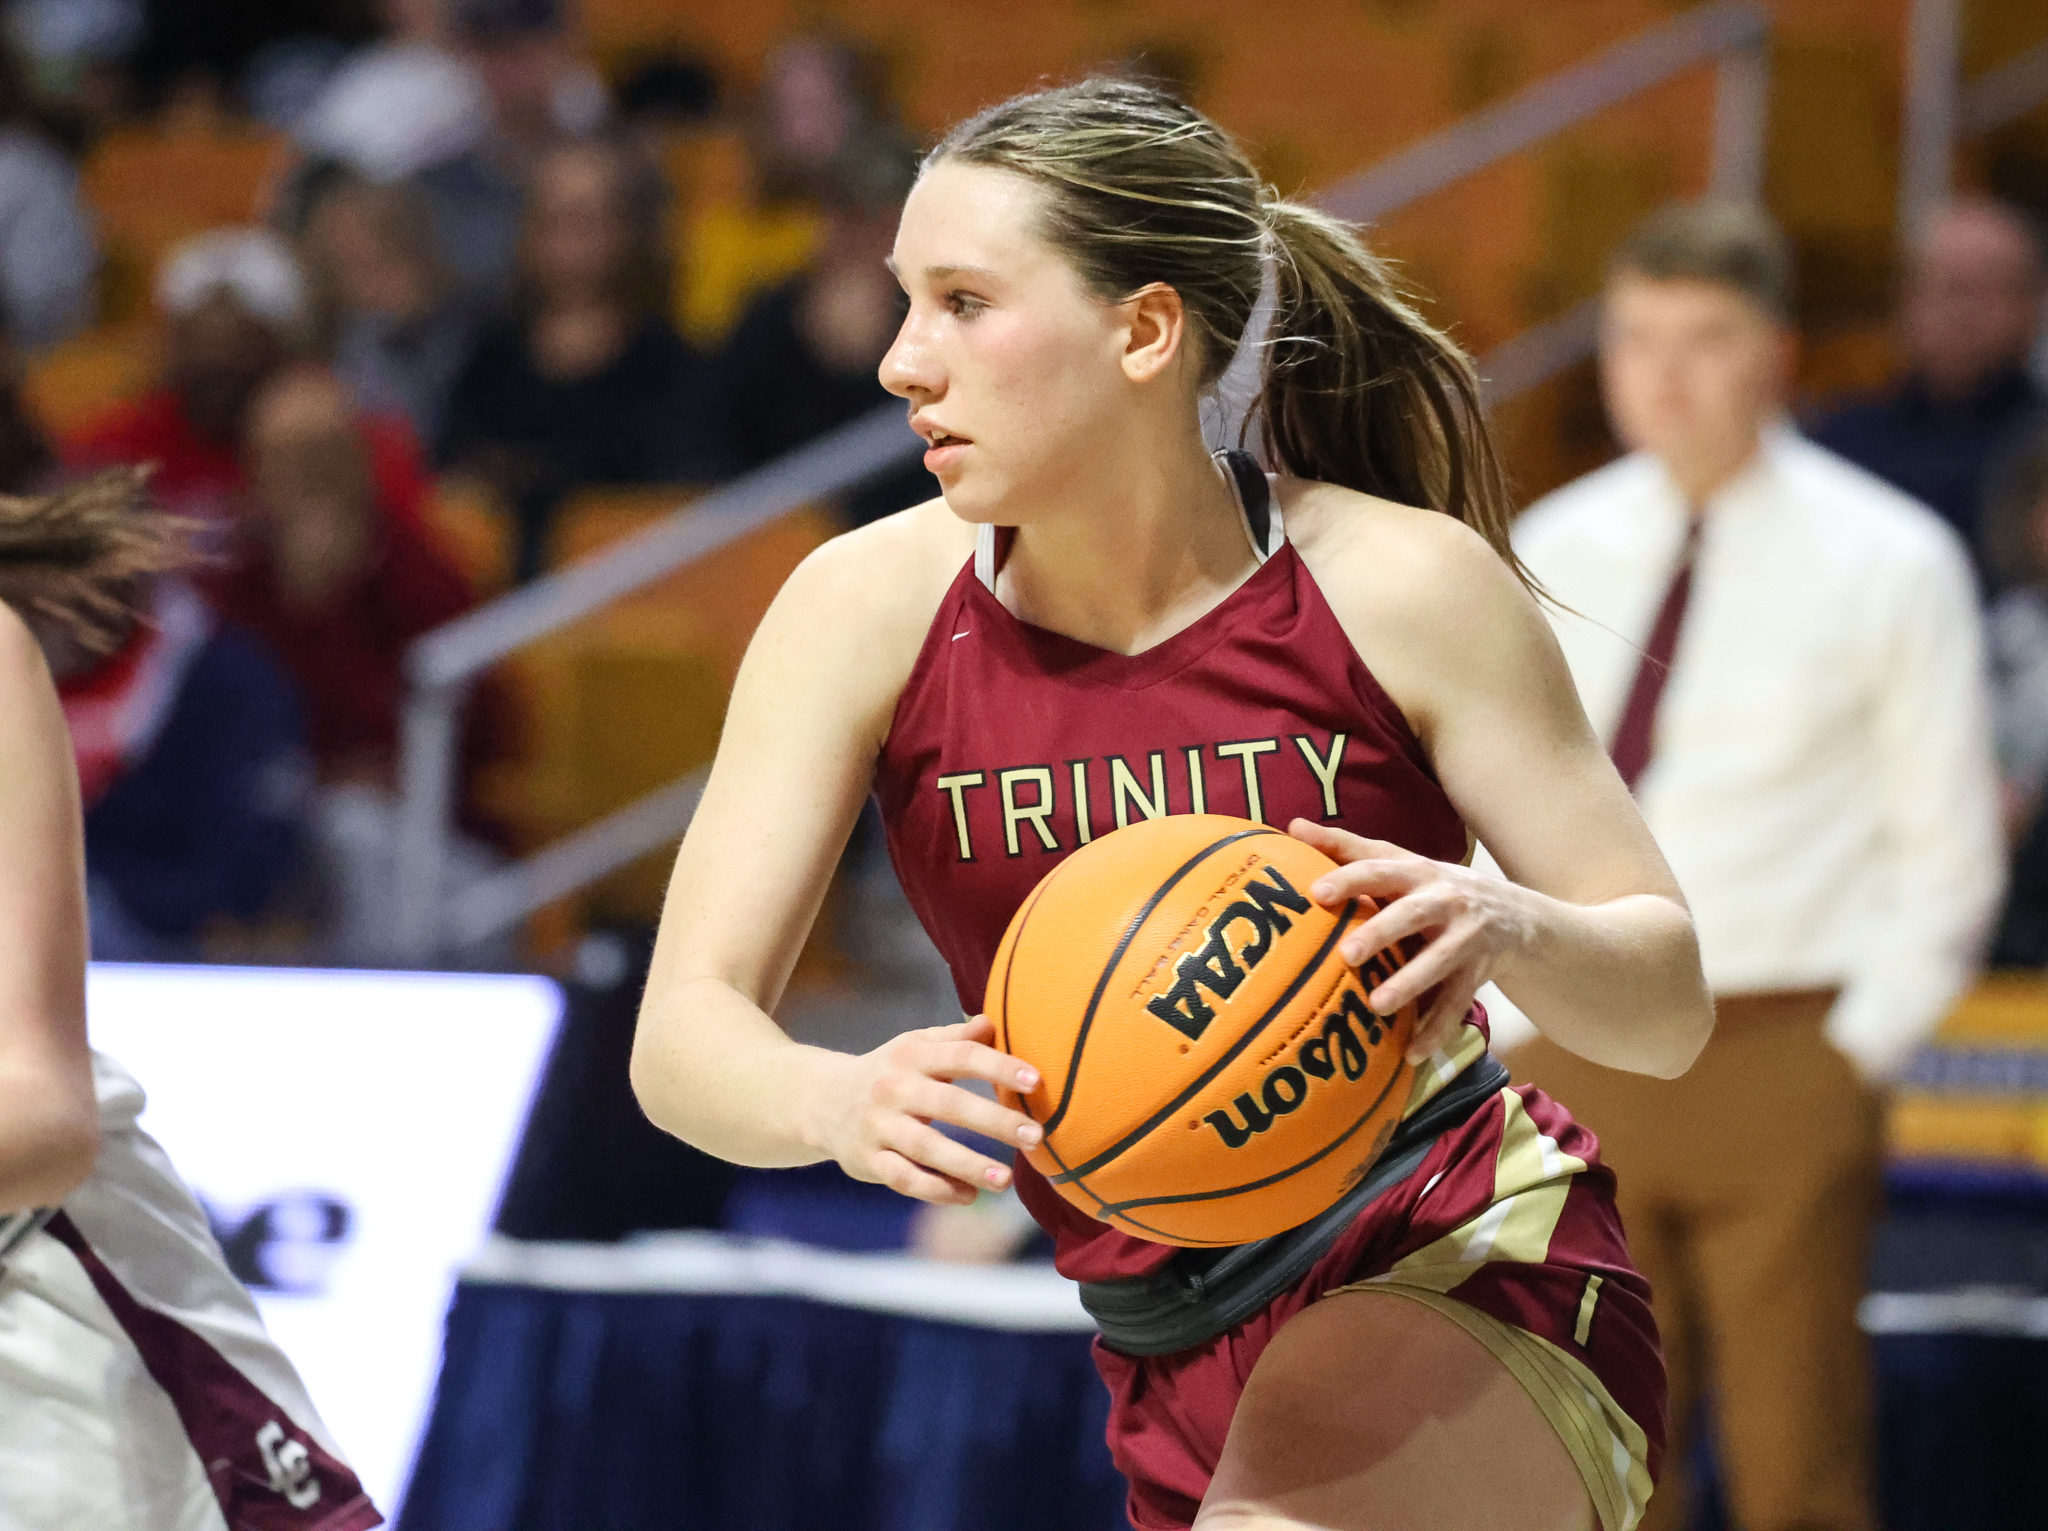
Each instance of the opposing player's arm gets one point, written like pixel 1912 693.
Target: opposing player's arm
pixel 49 1123
pixel 1590 937
pixel 809 713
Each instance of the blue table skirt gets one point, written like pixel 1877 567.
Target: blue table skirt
pixel 576 1411
pixel 764 1389
pixel 1962 1432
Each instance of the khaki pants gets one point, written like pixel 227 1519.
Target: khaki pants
pixel 1748 1189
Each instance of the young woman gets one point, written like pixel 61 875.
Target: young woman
pixel 587 383
pixel 1098 606
pixel 138 1391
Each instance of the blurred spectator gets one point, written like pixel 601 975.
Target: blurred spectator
pixel 334 578
pixel 589 384
pixel 2016 547
pixel 803 359
pixel 191 761
pixel 338 582
pixel 234 306
pixel 461 103
pixel 1784 654
pixel 210 44
pixel 78 51
pixel 48 257
pixel 756 220
pixel 60 40
pixel 2016 552
pixel 1971 314
pixel 667 92
pixel 235 311
pixel 27 465
pixel 398 330
pixel 539 87
pixel 191 765
pixel 287 78
pixel 818 93
pixel 407 102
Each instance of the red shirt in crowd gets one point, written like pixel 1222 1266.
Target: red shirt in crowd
pixel 348 656
pixel 197 475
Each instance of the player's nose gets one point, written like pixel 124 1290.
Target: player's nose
pixel 910 368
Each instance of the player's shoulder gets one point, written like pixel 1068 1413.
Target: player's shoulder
pixel 899 563
pixel 864 601
pixel 1378 561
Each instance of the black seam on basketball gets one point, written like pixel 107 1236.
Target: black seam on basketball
pixel 1062 1177
pixel 1010 968
pixel 1102 1212
pixel 1208 1075
pixel 1117 1209
pixel 1123 944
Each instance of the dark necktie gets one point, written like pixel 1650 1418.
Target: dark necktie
pixel 1634 738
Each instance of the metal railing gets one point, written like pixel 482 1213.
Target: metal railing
pixel 442 665
pixel 434 918
pixel 1942 109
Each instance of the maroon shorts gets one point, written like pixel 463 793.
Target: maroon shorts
pixel 1509 1228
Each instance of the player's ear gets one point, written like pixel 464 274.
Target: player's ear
pixel 1155 331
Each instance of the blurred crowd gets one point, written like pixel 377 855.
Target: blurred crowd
pixel 468 268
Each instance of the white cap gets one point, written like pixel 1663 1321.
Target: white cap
pixel 252 265
pixel 397 109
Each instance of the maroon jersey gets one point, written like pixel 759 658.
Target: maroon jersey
pixel 1013 746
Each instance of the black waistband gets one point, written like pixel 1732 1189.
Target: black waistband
pixel 1199 1293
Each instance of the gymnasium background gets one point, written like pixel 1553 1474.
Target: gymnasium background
pixel 381 995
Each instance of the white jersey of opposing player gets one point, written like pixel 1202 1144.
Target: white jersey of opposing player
pixel 138 1389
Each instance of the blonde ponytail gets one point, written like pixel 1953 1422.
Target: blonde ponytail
pixel 1358 388
pixel 73 557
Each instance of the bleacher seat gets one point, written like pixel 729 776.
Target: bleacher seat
pixel 633 697
pixel 154 185
pixel 474 528
pixel 74 382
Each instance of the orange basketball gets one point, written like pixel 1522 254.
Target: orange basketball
pixel 1208 1070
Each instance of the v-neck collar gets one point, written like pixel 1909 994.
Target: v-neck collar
pixel 1075 658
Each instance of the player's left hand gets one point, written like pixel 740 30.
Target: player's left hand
pixel 1471 920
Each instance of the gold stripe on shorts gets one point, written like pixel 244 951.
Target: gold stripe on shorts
pixel 1532 1178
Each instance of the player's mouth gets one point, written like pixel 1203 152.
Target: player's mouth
pixel 943 448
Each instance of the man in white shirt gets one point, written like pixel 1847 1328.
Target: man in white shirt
pixel 1784 654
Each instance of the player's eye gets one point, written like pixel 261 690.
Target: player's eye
pixel 965 305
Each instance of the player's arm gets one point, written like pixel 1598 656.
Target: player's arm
pixel 1590 936
pixel 809 713
pixel 49 1121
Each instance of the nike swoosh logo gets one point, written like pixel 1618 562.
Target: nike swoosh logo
pixel 962 634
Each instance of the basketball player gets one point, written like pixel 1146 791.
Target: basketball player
pixel 1100 621
pixel 138 1391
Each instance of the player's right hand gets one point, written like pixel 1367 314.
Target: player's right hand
pixel 876 1112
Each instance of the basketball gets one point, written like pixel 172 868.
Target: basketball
pixel 1209 1073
